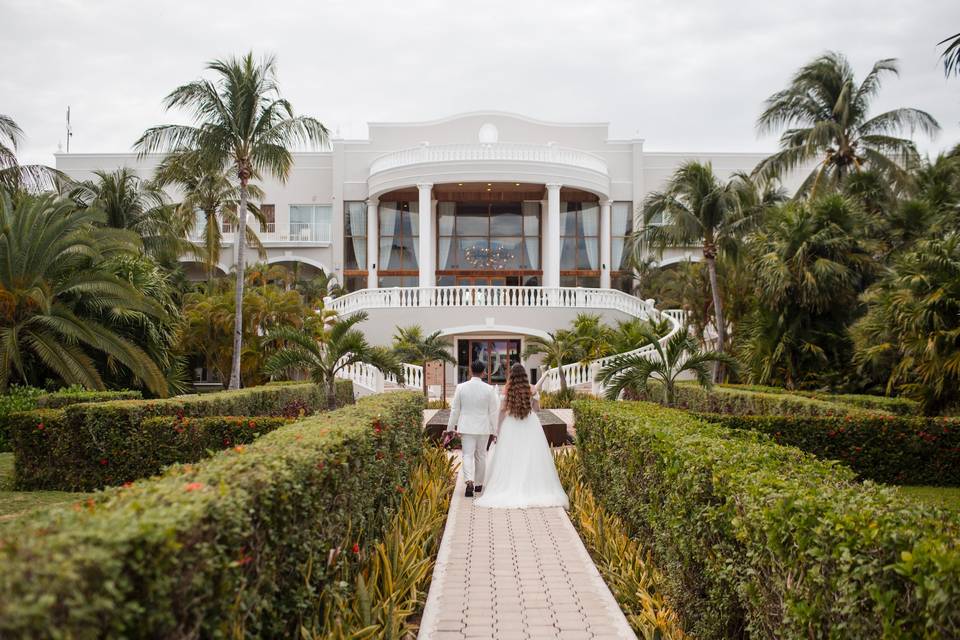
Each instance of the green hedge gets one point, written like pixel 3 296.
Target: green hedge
pixel 891 449
pixel 15 400
pixel 66 397
pixel 237 545
pixel 724 399
pixel 760 540
pixel 898 406
pixel 89 446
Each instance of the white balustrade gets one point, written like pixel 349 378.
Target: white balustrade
pixel 495 151
pixel 363 375
pixel 412 377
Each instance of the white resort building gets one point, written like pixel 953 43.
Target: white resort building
pixel 490 227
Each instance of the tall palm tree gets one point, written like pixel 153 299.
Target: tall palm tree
pixel 558 348
pixel 411 344
pixel 697 207
pixel 133 203
pixel 340 346
pixel 240 121
pixel 13 175
pixel 951 55
pixel 54 289
pixel 211 192
pixel 632 373
pixel 827 119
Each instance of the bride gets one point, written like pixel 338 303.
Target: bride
pixel 522 472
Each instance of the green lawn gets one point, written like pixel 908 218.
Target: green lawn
pixel 13 503
pixel 948 497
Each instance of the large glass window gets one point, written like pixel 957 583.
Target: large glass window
pixel 488 240
pixel 579 244
pixel 310 222
pixel 355 245
pixel 621 228
pixel 399 244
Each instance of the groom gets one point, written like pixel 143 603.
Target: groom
pixel 474 415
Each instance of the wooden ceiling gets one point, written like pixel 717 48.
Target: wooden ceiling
pixel 488 192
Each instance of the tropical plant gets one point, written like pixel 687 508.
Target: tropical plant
pixel 318 287
pixel 240 121
pixel 826 115
pixel 808 266
pixel 951 55
pixel 558 348
pixel 339 345
pixel 911 332
pixel 631 373
pixel 57 297
pixel 411 344
pixel 15 176
pixel 209 192
pixel 696 207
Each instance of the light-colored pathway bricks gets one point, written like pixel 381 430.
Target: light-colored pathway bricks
pixel 516 574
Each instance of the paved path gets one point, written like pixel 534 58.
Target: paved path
pixel 516 574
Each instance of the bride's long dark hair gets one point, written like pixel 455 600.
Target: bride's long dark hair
pixel 518 392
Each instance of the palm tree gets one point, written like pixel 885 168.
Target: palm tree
pixel 54 287
pixel 241 121
pixel 951 55
pixel 696 207
pixel 632 373
pixel 827 118
pixel 340 346
pixel 911 331
pixel 558 348
pixel 135 204
pixel 15 176
pixel 410 344
pixel 211 192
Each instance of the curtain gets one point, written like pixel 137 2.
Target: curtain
pixel 357 229
pixel 389 228
pixel 589 226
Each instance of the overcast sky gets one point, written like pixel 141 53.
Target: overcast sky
pixel 684 75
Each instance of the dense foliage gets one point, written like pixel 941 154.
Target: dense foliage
pixel 760 540
pixel 89 446
pixel 244 541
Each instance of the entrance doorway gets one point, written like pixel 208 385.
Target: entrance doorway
pixel 498 355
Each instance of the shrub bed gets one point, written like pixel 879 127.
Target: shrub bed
pixel 761 540
pixel 746 402
pixel 66 397
pixel 15 400
pixel 896 405
pixel 83 447
pixel 891 449
pixel 239 544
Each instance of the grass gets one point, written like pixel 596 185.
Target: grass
pixel 14 503
pixel 946 497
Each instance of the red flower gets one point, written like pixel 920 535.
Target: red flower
pixel 356 548
pixel 400 455
pixel 193 486
pixel 127 485
pixel 252 424
pixel 320 466
pixel 401 489
pixel 245 560
pixel 103 462
pixel 377 429
pixel 379 455
pixel 40 426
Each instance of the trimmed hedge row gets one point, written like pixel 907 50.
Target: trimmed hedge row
pixel 897 405
pixel 761 540
pixel 744 402
pixel 239 544
pixel 15 400
pixel 890 449
pixel 66 397
pixel 90 446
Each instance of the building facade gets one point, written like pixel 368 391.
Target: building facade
pixel 489 226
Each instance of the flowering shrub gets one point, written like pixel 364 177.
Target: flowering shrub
pixel 765 541
pixel 69 455
pixel 891 449
pixel 241 541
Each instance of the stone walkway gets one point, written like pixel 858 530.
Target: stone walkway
pixel 518 574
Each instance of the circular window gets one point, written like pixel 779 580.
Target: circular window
pixel 488 134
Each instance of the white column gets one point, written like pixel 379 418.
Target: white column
pixel 425 257
pixel 373 242
pixel 551 269
pixel 605 244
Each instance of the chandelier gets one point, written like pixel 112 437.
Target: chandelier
pixel 481 257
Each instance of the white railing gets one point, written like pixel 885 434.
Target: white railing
pixel 490 296
pixel 306 232
pixel 412 377
pixel 363 375
pixel 494 151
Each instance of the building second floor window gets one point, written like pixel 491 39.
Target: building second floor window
pixel 621 228
pixel 579 236
pixel 355 245
pixel 310 222
pixel 399 243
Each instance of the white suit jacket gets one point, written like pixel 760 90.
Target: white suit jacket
pixel 475 408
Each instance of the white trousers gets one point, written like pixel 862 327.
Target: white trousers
pixel 474 456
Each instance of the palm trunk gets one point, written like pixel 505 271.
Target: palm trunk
pixel 668 394
pixel 717 311
pixel 424 381
pixel 563 379
pixel 209 237
pixel 332 392
pixel 240 238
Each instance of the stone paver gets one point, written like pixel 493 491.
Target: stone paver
pixel 516 573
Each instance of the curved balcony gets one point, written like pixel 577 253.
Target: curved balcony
pixel 494 161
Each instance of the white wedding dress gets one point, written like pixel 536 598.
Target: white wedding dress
pixel 521 472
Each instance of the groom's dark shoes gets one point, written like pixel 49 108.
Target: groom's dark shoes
pixel 469 492
pixel 478 488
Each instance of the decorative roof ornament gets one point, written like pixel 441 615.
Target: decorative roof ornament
pixel 488 133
